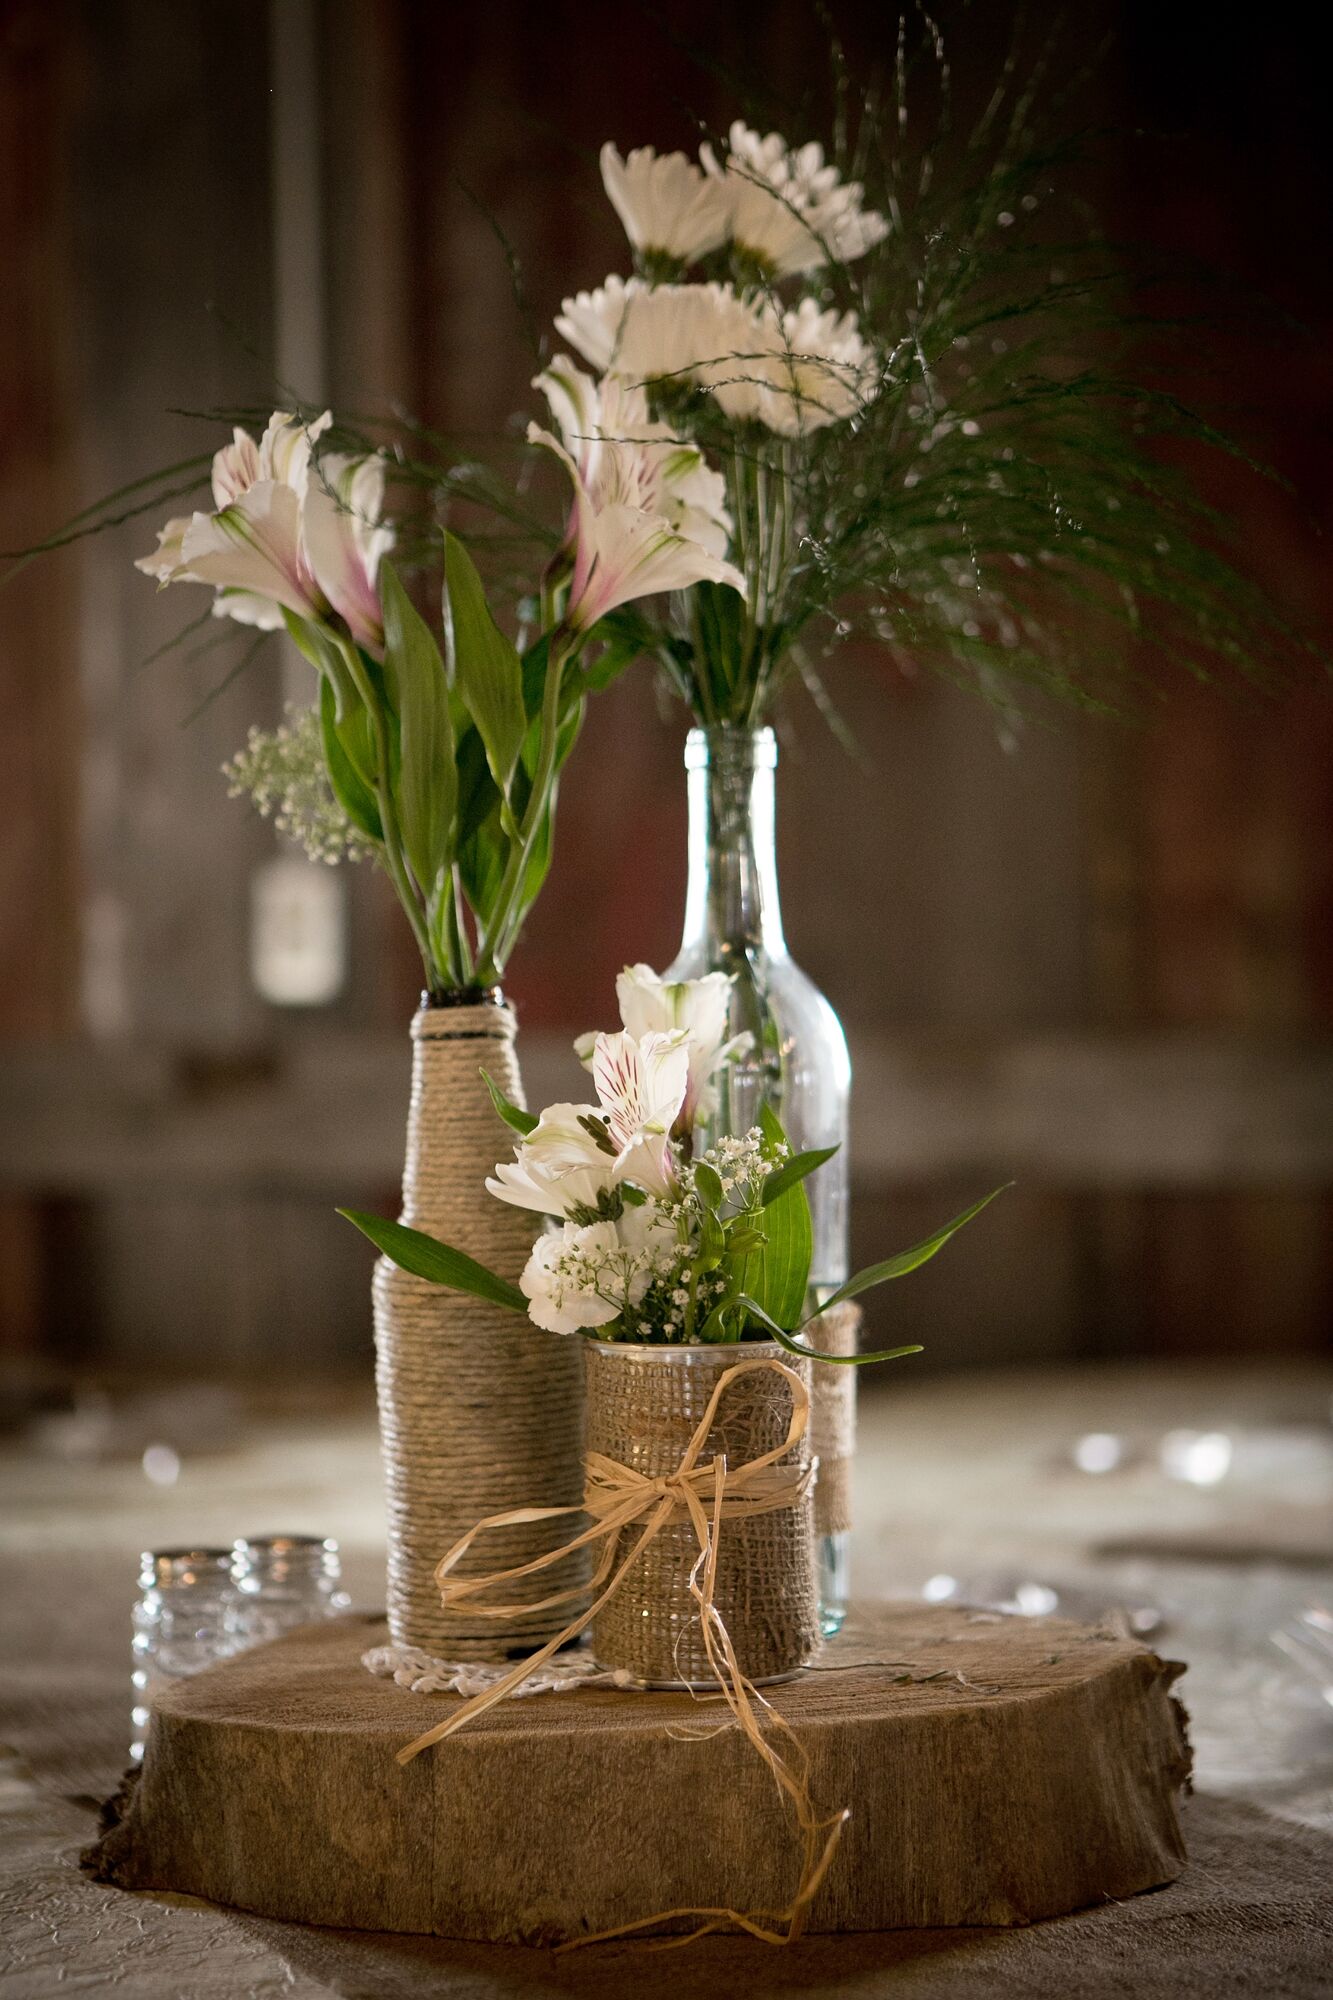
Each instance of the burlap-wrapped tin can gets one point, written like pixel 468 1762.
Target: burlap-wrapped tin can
pixel 644 1405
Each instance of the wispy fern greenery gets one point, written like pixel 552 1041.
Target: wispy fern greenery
pixel 1008 508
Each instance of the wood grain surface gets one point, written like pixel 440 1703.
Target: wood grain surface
pixel 998 1771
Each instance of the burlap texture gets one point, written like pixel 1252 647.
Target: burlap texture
pixel 644 1406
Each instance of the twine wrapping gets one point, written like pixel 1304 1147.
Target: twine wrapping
pixel 833 1418
pixel 476 1408
pixel 707 1493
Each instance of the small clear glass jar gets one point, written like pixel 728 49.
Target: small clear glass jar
pixel 187 1618
pixel 283 1581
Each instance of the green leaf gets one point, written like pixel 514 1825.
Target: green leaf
pixel 756 1311
pixel 715 1327
pixel 483 664
pixel 708 1186
pixel 326 657
pixel 483 836
pixel 427 790
pixel 907 1260
pixel 347 751
pixel 482 842
pixel 481 865
pixel 543 847
pixel 514 1116
pixel 741 1241
pixel 478 799
pixel 793 1170
pixel 712 1243
pixel 778 1275
pixel 412 1250
pixel 624 636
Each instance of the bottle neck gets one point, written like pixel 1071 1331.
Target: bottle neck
pixel 731 902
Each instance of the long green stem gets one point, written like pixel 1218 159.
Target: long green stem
pixel 777 560
pixel 395 860
pixel 401 877
pixel 497 937
pixel 703 704
pixel 464 950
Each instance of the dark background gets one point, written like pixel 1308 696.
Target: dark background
pixel 1099 960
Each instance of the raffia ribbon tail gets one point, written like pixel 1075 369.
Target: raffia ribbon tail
pixel 617 1496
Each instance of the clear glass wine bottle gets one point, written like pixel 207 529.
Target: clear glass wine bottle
pixel 798 1059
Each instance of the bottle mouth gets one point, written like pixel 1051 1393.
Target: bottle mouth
pixel 726 746
pixel 462 996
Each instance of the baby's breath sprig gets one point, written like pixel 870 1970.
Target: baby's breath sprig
pixel 283 773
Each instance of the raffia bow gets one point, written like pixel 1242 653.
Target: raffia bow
pixel 618 1496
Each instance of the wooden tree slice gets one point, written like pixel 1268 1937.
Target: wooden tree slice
pixel 997 1772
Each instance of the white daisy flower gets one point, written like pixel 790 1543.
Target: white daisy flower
pixel 668 205
pixel 790 210
pixel 655 333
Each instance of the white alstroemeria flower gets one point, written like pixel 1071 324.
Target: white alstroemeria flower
pixel 237 466
pixel 559 1166
pixel 666 203
pixel 624 458
pixel 810 368
pixel 252 553
pixel 166 557
pixel 563 1166
pixel 575 403
pixel 659 333
pixel 650 1005
pixel 790 210
pixel 252 549
pixel 345 538
pixel 641 1086
pixel 561 1278
pixel 648 512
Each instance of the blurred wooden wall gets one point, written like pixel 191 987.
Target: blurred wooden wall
pixel 1021 938
pixel 38 701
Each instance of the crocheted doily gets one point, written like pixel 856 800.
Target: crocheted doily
pixel 422 1673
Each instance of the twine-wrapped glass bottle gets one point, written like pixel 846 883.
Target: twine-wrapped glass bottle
pixel 798 1060
pixel 478 1411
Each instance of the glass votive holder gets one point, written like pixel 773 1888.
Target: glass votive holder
pixel 283 1581
pixel 186 1618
